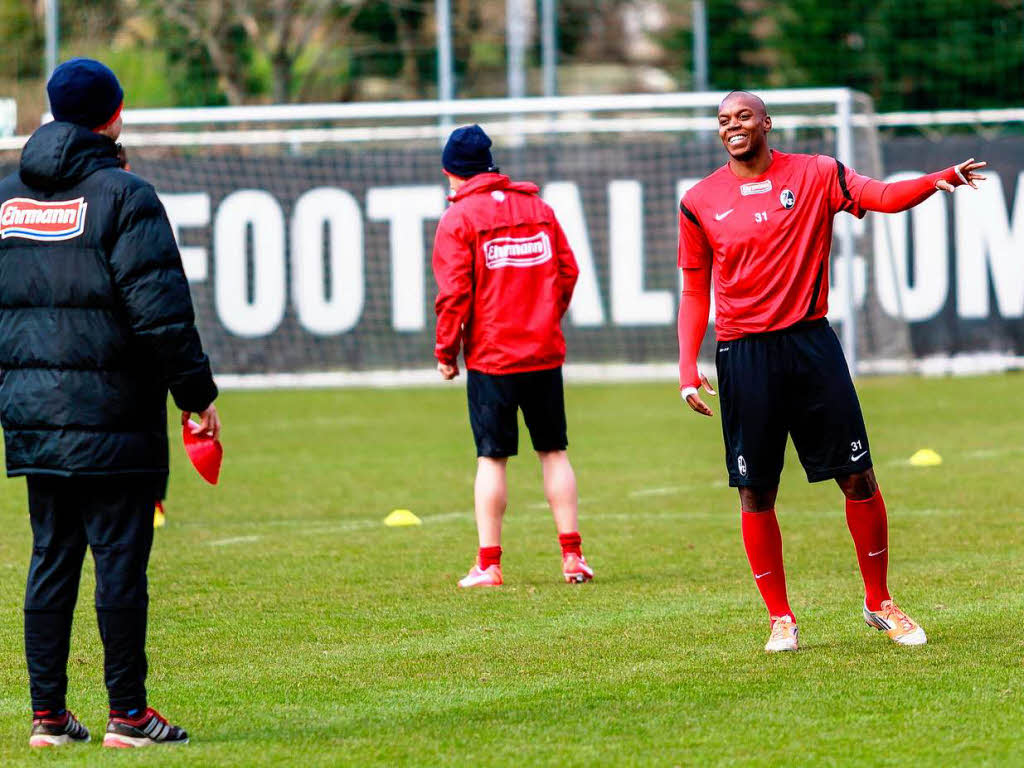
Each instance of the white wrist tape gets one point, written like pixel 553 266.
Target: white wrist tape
pixel 685 392
pixel 956 168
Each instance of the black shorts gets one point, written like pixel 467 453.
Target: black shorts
pixel 494 400
pixel 792 382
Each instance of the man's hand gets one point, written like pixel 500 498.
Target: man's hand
pixel 448 372
pixel 209 425
pixel 966 172
pixel 692 397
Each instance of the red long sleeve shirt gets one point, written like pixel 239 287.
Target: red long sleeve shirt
pixel 766 242
pixel 505 276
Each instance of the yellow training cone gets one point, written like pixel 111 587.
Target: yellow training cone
pixel 159 519
pixel 400 517
pixel 925 457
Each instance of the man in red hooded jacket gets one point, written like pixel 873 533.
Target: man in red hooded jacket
pixel 505 276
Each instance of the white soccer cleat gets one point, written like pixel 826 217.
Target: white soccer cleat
pixel 482 577
pixel 575 569
pixel 784 637
pixel 902 629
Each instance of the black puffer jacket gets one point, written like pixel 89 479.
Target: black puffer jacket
pixel 96 319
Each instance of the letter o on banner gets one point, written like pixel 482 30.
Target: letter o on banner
pixel 263 313
pixel 339 310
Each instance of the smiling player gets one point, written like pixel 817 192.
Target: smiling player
pixel 761 227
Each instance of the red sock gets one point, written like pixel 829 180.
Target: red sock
pixel 489 556
pixel 763 542
pixel 571 543
pixel 870 531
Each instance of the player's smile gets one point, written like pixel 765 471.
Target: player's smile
pixel 742 126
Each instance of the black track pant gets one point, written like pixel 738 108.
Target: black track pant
pixel 114 517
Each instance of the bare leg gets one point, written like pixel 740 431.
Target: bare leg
pixel 859 486
pixel 758 499
pixel 490 496
pixel 560 489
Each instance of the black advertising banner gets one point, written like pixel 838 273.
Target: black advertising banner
pixel 321 260
pixel 954 266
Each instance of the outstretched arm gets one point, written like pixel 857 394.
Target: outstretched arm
pixel 694 308
pixel 901 195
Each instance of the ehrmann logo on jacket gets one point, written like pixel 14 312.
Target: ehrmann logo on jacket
pixel 36 220
pixel 517 251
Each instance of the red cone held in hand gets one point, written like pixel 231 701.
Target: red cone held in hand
pixel 205 453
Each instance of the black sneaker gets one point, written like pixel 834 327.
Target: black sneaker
pixel 142 731
pixel 53 731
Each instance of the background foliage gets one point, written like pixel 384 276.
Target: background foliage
pixel 931 55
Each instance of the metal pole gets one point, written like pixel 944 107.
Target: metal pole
pixel 700 46
pixel 515 37
pixel 549 47
pixel 52 12
pixel 445 77
pixel 515 21
pixel 844 150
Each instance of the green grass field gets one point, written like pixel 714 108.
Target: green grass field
pixel 289 626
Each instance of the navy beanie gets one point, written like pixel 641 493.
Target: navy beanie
pixel 468 152
pixel 84 92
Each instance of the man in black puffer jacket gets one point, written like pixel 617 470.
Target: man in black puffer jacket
pixel 96 324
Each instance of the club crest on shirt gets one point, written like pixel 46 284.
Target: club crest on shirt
pixel 787 198
pixel 46 221
pixel 517 251
pixel 756 188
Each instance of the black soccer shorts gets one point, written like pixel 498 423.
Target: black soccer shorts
pixel 791 382
pixel 494 402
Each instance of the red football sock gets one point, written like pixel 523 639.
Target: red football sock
pixel 763 542
pixel 870 531
pixel 489 556
pixel 571 543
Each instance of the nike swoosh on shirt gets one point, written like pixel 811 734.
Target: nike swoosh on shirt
pixel 720 216
pixel 854 457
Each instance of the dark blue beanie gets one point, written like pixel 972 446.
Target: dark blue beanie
pixel 468 152
pixel 84 92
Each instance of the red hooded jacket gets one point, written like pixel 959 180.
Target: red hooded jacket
pixel 505 275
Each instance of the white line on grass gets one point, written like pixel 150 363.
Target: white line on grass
pixel 666 491
pixel 321 527
pixel 234 540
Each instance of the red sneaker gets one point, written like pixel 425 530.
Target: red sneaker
pixel 51 731
pixel 148 728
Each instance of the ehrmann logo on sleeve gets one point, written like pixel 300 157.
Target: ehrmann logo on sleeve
pixel 517 251
pixel 36 220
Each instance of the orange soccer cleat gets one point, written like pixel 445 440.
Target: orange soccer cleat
pixel 902 629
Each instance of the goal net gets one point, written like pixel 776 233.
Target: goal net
pixel 306 230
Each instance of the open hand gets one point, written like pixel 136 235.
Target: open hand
pixel 966 172
pixel 692 396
